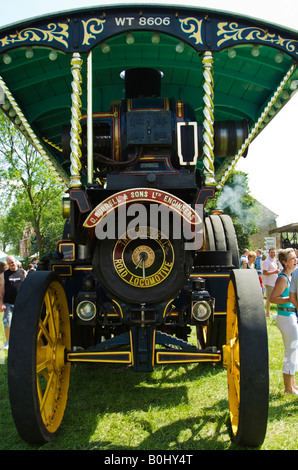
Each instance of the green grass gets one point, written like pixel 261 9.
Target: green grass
pixel 173 408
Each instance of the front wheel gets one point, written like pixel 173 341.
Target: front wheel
pixel 245 356
pixel 38 377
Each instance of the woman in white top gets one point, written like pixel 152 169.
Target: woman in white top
pixel 286 318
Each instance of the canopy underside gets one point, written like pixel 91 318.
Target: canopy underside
pixel 247 69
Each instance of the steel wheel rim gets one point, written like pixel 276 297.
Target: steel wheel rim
pixel 52 373
pixel 233 371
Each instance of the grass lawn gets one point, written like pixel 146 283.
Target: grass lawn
pixel 173 408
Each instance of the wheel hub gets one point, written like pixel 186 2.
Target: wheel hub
pixel 58 355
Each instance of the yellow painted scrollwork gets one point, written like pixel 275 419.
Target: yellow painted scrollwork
pixel 232 31
pixel 90 30
pixel 193 27
pixel 54 32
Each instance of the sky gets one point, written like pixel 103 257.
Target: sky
pixel 271 161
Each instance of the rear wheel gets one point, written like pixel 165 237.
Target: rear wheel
pixel 38 376
pixel 221 250
pixel 246 359
pixel 221 236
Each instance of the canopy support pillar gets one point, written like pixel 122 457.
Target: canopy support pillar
pixel 75 133
pixel 208 124
pixel 89 120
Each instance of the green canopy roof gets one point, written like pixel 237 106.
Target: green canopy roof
pixel 251 59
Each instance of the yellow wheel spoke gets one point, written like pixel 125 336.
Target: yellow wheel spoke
pixel 42 325
pixel 234 360
pixel 237 386
pixel 47 391
pixel 43 365
pixel 52 373
pixel 50 306
pixel 45 332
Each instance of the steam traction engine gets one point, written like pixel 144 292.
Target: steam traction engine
pixel 141 264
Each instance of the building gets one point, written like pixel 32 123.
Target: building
pixel 266 226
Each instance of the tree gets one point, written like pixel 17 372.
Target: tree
pixel 30 192
pixel 234 199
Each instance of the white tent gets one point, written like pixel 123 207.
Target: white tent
pixel 3 255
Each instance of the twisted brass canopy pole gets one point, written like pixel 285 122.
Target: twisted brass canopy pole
pixel 208 124
pixel 75 133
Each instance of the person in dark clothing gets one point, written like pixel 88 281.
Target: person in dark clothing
pixel 10 283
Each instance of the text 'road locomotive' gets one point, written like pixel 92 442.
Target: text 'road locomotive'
pixel 143 113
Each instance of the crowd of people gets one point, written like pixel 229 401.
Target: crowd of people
pixel 279 282
pixel 11 277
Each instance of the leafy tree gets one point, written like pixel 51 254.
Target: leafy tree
pixel 234 199
pixel 13 223
pixel 30 191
